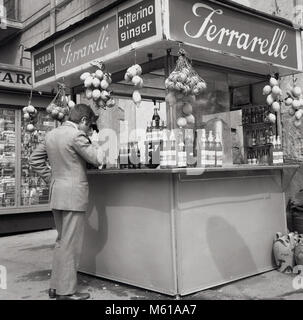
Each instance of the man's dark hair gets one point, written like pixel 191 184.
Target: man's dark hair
pixel 82 110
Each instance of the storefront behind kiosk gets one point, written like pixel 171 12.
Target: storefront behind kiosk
pixel 23 196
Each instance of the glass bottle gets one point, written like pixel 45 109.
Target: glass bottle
pixel 249 138
pixel 203 150
pixel 129 155
pixel 248 158
pixel 172 163
pixel 211 151
pixel 153 131
pixel 162 128
pixel 266 136
pixel 248 115
pixel 279 151
pixel 254 159
pixel 253 140
pixel 123 157
pixel 164 149
pixel 219 151
pixel 189 146
pixel 156 118
pixel 271 135
pixel 275 152
pixel 253 115
pixel 148 132
pixel 181 152
pixel 135 156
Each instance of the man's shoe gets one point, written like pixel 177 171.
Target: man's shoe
pixel 75 296
pixel 52 293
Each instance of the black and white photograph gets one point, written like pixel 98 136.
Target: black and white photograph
pixel 151 151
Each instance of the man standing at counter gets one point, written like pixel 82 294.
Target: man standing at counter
pixel 67 149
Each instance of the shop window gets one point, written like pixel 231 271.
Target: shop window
pixel 128 121
pixel 212 109
pixel 137 119
pixel 34 191
pixel 7 158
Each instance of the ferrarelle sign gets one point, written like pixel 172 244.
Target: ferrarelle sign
pixel 217 27
pixel 123 26
pixel 90 44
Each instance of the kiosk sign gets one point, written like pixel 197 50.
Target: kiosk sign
pixel 87 45
pixel 137 23
pixel 209 25
pixel 44 64
pixel 15 79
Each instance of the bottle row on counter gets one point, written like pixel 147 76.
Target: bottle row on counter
pixel 173 149
pixel 188 148
pixel 178 148
pixel 261 136
pixel 261 145
pixel 264 156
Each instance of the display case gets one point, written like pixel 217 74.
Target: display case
pixel 226 125
pixel 259 135
pixel 34 190
pixel 7 158
pixel 21 190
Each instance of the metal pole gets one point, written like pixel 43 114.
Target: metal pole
pixel 169 62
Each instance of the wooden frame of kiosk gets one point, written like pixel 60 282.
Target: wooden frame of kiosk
pixel 180 230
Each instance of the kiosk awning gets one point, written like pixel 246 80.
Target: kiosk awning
pixel 213 32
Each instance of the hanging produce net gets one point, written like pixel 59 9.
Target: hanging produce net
pixel 183 85
pixel 97 86
pixel 59 108
pixel 184 79
pixel 30 115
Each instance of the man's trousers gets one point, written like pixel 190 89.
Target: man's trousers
pixel 70 227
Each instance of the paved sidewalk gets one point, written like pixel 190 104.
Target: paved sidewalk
pixel 27 258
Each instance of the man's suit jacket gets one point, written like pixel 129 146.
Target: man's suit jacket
pixel 67 149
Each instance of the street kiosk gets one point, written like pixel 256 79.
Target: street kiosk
pixel 180 230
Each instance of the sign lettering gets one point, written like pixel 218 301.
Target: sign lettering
pixel 104 38
pixel 137 23
pixel 217 27
pixel 15 79
pixel 88 45
pixel 44 64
